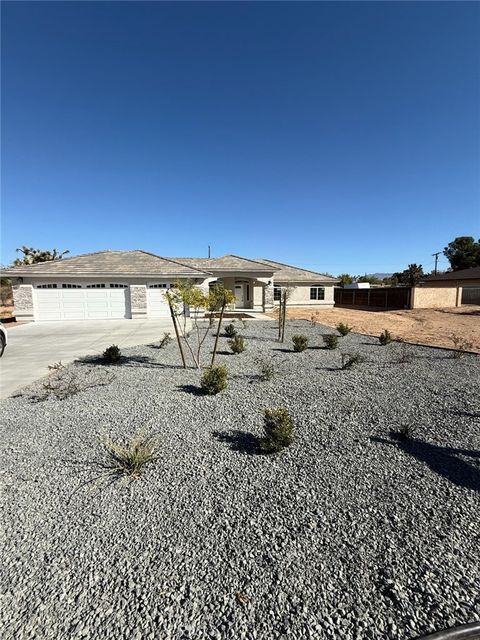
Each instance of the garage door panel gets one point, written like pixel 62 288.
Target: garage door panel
pixel 82 304
pixel 157 306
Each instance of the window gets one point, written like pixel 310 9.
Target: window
pixel 115 285
pixel 277 293
pixel 317 293
pixel 158 286
pixel 46 286
pixel 98 285
pixel 71 286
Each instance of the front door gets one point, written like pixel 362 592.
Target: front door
pixel 239 299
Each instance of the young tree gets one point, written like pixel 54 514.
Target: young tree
pixel 32 256
pixel 463 253
pixel 186 294
pixel 345 278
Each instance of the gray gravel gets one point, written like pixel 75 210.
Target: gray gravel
pixel 347 534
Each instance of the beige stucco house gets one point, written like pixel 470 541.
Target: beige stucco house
pixel 131 284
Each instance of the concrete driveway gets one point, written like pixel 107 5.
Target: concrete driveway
pixel 32 347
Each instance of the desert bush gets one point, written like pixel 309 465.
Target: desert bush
pixel 167 338
pixel 300 342
pixel 214 380
pixel 112 354
pixel 230 330
pixel 461 345
pixel 56 366
pixel 349 361
pixel 343 329
pixel 331 341
pixel 313 319
pixel 237 344
pixel 278 426
pixel 266 370
pixel 385 337
pixel 65 383
pixel 405 432
pixel 130 456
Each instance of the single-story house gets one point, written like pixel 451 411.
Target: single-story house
pixel 466 282
pixel 131 284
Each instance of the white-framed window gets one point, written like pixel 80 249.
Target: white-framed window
pixel 116 285
pixel 317 293
pixel 47 286
pixel 68 285
pixel 97 285
pixel 277 293
pixel 158 286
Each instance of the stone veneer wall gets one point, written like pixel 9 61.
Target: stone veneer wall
pixel 23 301
pixel 138 300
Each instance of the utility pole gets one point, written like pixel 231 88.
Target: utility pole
pixel 435 255
pixel 209 251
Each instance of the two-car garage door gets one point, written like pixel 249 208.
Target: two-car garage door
pixel 82 304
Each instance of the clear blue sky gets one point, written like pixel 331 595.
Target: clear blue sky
pixel 337 136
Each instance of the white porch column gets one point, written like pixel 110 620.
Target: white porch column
pixel 138 301
pixel 23 302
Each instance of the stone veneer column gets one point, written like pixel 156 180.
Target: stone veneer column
pixel 23 302
pixel 138 301
pixel 268 295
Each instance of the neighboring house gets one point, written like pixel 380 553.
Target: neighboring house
pixel 465 281
pixel 131 284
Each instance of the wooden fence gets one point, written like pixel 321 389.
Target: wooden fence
pixel 378 298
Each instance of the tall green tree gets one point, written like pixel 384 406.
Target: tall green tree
pixel 463 253
pixel 32 256
pixel 410 276
pixel 345 278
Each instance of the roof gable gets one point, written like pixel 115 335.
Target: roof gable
pixel 229 262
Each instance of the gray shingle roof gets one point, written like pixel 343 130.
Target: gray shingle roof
pixel 226 263
pixel 462 274
pixel 132 263
pixel 289 273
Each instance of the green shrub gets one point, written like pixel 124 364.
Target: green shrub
pixel 331 341
pixel 278 427
pixel 112 354
pixel 237 344
pixel 385 337
pixel 461 345
pixel 300 342
pixel 405 432
pixel 266 370
pixel 129 457
pixel 230 331
pixel 214 380
pixel 349 361
pixel 167 338
pixel 343 329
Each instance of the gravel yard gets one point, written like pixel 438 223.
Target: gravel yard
pixel 346 534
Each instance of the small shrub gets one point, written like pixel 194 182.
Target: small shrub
pixel 278 427
pixel 237 344
pixel 313 319
pixel 385 337
pixel 65 383
pixel 266 370
pixel 112 354
pixel 461 345
pixel 349 361
pixel 343 329
pixel 331 341
pixel 56 366
pixel 404 433
pixel 230 331
pixel 128 458
pixel 300 342
pixel 167 338
pixel 214 380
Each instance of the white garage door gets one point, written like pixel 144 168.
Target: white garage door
pixel 157 306
pixel 81 304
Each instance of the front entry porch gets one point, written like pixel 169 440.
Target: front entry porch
pixel 249 293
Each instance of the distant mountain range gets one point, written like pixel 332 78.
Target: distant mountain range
pixel 380 276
